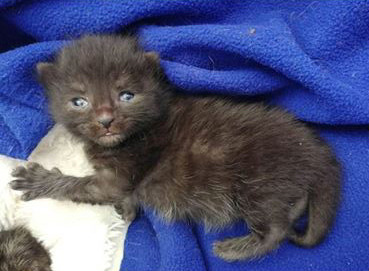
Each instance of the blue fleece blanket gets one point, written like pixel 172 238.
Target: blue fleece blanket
pixel 310 57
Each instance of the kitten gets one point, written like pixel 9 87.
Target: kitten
pixel 20 251
pixel 208 159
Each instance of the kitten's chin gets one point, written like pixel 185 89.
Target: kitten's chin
pixel 110 140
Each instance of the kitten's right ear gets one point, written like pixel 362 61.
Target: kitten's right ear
pixel 46 73
pixel 153 58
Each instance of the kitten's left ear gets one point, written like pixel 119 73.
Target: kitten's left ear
pixel 152 57
pixel 46 73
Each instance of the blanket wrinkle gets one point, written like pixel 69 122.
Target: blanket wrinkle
pixel 309 57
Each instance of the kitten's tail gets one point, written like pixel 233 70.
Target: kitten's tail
pixel 322 204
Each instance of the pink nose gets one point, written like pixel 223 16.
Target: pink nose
pixel 104 116
pixel 105 120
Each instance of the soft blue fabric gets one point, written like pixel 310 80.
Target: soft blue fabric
pixel 310 57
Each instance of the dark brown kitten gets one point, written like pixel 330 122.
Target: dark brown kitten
pixel 20 251
pixel 212 160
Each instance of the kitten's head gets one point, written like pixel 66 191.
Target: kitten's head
pixel 104 88
pixel 20 251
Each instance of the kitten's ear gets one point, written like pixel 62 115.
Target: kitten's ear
pixel 152 57
pixel 46 73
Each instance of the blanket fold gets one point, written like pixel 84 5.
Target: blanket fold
pixel 309 57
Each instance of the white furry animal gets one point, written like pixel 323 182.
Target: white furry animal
pixel 78 236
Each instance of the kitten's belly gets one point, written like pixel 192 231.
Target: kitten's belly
pixel 180 198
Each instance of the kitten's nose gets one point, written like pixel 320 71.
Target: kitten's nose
pixel 106 120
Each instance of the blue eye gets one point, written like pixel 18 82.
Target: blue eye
pixel 126 96
pixel 79 102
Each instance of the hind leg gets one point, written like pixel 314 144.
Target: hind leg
pixel 268 230
pixel 253 245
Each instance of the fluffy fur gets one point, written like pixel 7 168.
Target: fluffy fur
pixel 213 160
pixel 20 251
pixel 77 236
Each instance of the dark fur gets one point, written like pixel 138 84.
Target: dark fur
pixel 208 159
pixel 20 251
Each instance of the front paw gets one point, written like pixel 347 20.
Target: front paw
pixel 126 211
pixel 35 181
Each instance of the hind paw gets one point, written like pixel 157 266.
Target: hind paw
pixel 224 250
pixel 240 248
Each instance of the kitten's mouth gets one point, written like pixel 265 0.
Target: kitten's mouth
pixel 109 139
pixel 109 134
